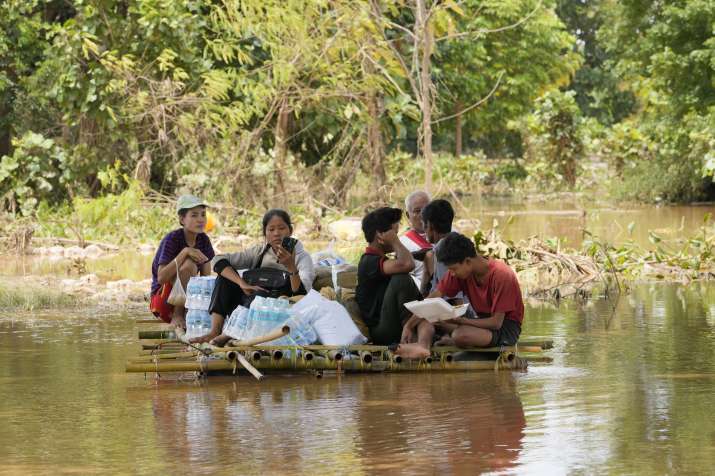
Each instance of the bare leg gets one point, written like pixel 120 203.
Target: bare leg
pixel 420 349
pixel 447 329
pixel 186 271
pixel 469 336
pixel 425 333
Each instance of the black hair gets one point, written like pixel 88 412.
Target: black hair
pixel 455 248
pixel 276 212
pixel 380 220
pixel 438 213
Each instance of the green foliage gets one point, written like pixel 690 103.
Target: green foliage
pixel 683 258
pixel 524 61
pixel 32 296
pixel 665 52
pixel 553 139
pixel 118 218
pixel 34 172
pixel 599 93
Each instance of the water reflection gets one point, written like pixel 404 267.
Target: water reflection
pixel 448 423
pixel 629 391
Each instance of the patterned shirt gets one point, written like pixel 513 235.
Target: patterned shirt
pixel 170 247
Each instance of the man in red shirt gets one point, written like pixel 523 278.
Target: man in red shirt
pixel 492 289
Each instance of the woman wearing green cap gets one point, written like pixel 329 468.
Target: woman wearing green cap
pixel 186 250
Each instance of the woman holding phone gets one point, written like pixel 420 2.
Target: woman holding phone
pixel 278 267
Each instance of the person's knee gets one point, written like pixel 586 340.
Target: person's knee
pixel 461 338
pixel 401 278
pixel 188 266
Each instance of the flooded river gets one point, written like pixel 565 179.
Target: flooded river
pixel 630 391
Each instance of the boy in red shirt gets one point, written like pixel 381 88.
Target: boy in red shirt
pixel 492 289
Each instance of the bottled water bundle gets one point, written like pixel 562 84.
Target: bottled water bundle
pixel 198 323
pixel 264 316
pixel 198 292
pixel 237 323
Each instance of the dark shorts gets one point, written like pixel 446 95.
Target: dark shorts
pixel 508 334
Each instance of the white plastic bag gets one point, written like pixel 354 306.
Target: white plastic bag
pixel 330 319
pixel 327 257
pixel 177 296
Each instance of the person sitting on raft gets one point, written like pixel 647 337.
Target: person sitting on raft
pixel 187 251
pixel 493 292
pixel 415 238
pixel 437 217
pixel 231 290
pixel 385 285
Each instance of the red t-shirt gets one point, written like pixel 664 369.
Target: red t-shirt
pixel 499 292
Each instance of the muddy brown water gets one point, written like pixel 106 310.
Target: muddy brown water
pixel 630 391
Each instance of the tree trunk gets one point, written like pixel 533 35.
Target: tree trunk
pixel 374 140
pixel 458 130
pixel 281 151
pixel 425 38
pixel 5 132
pixel 5 142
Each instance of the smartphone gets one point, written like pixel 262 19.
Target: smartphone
pixel 288 243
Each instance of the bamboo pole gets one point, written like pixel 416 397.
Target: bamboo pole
pixel 318 365
pixel 235 355
pixel 165 350
pixel 397 359
pixel 157 334
pixel 275 334
pixel 366 357
pixel 168 355
pixel 277 354
pixel 308 355
pixel 167 345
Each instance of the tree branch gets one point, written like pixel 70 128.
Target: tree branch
pixel 494 30
pixel 476 104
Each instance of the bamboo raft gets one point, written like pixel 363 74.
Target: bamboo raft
pixel 163 351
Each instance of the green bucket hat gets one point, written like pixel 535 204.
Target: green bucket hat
pixel 189 201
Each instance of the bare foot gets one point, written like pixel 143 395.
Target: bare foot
pixel 178 323
pixel 203 338
pixel 445 341
pixel 221 340
pixel 412 351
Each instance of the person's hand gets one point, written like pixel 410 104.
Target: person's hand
pixel 407 332
pixel 196 255
pixel 249 289
pixel 389 236
pixel 455 320
pixel 285 258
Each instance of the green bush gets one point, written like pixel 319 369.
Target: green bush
pixel 127 217
pixel 35 171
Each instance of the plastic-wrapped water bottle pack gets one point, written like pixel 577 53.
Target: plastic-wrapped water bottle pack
pixel 198 292
pixel 265 315
pixel 198 297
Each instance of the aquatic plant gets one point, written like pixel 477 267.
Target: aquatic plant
pixel 28 297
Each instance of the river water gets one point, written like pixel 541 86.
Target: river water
pixel 630 391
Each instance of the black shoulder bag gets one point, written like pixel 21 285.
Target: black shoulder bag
pixel 274 281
